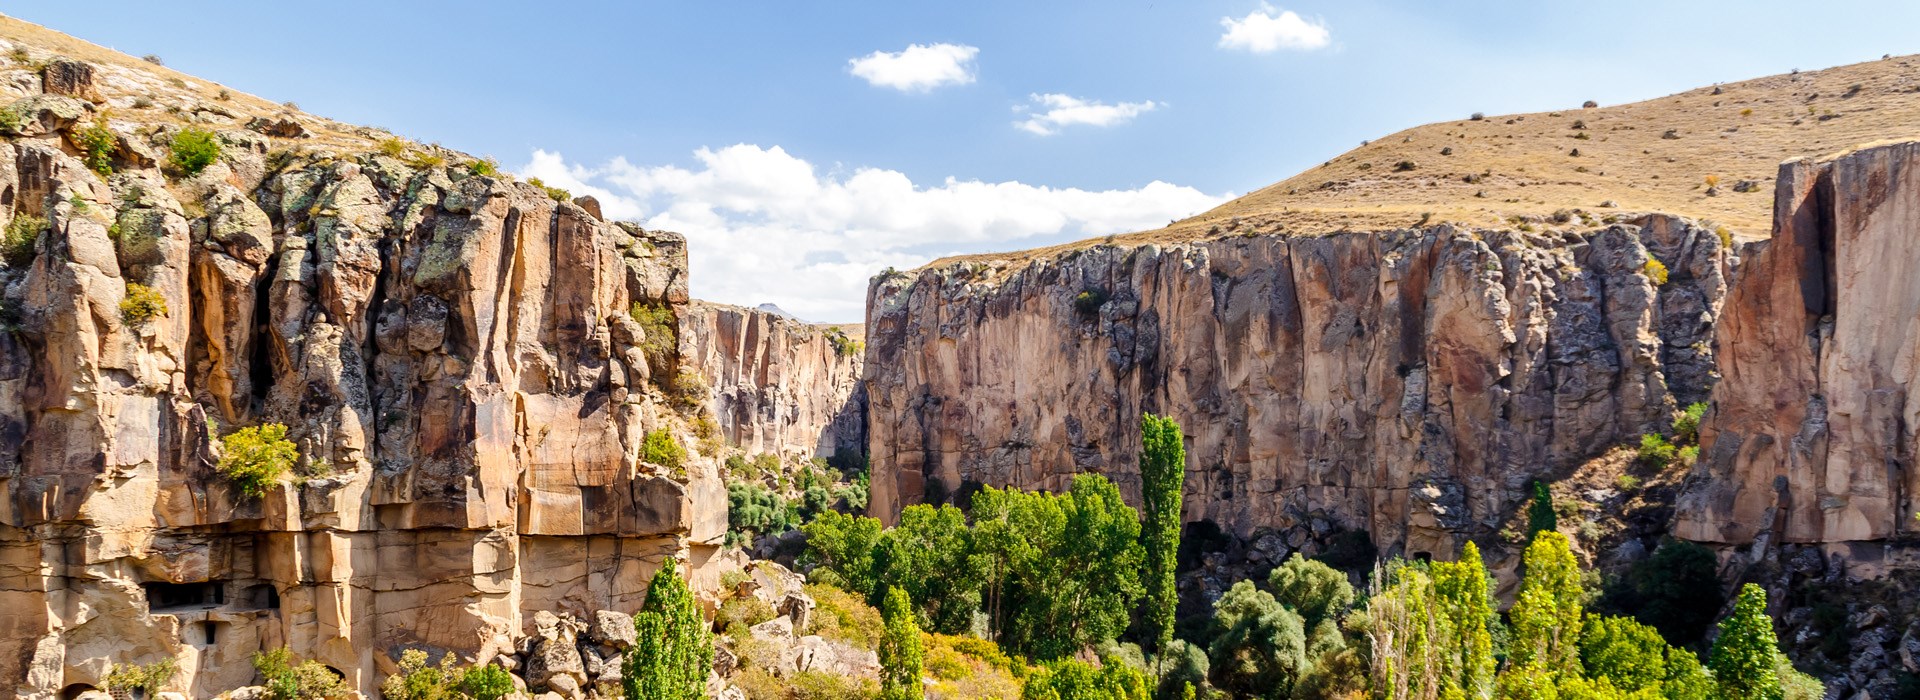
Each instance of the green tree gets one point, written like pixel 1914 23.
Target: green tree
pixel 1317 592
pixel 1069 679
pixel 930 554
pixel 900 654
pixel 840 551
pixel 1464 600
pixel 672 650
pixel 1183 666
pixel 1540 513
pixel 1062 571
pixel 1259 646
pixel 1746 655
pixel 254 458
pixel 1163 473
pixel 1677 590
pixel 1547 614
pixel 285 680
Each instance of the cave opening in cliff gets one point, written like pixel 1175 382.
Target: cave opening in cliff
pixel 259 357
pixel 206 634
pixel 163 596
pixel 261 596
pixel 73 692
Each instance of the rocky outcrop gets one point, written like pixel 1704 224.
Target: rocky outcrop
pixel 1405 383
pixel 454 358
pixel 779 385
pixel 1812 433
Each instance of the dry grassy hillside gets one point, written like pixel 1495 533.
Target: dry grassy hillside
pixel 139 91
pixel 1661 155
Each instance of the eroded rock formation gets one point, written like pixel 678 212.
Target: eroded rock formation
pixel 455 359
pixel 779 385
pixel 1406 383
pixel 1812 434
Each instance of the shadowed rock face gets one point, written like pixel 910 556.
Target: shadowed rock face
pixel 779 385
pixel 1811 437
pixel 453 355
pixel 1406 383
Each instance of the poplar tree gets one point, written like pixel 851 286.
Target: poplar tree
pixel 1163 473
pixel 672 651
pixel 1745 655
pixel 900 655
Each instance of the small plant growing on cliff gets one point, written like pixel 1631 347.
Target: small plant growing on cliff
pixel 142 304
pixel 1686 428
pixel 1656 452
pixel 660 448
pixel 391 148
pixel 9 122
pixel 843 345
pixel 285 680
pixel 97 145
pixel 145 681
pixel 659 333
pixel 16 243
pixel 255 458
pixel 487 682
pixel 558 195
pixel 484 167
pixel 1655 270
pixel 1088 302
pixel 193 151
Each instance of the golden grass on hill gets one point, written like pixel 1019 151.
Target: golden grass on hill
pixel 1661 155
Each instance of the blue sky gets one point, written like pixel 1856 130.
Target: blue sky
pixel 796 172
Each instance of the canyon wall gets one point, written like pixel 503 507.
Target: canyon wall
pixel 453 355
pixel 779 385
pixel 1405 383
pixel 1812 433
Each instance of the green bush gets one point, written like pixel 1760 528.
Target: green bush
pixel 754 510
pixel 488 682
pixel 558 195
pixel 1088 302
pixel 843 616
pixel 659 333
pixel 194 150
pixel 744 610
pixel 285 680
pixel 1686 428
pixel 145 680
pixel 9 122
pixel 1258 644
pixel 1072 679
pixel 255 458
pixel 1677 591
pixel 660 448
pixel 484 167
pixel 1656 452
pixel 16 243
pixel 97 145
pixel 142 304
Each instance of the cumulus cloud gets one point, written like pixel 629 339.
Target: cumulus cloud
pixel 764 225
pixel 1263 31
pixel 919 68
pixel 1052 111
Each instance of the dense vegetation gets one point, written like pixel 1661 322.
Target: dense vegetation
pixel 1057 580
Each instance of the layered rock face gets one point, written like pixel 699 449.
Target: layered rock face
pixel 779 385
pixel 1406 383
pixel 1812 433
pixel 453 355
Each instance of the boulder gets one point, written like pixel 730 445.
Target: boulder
pixel 611 628
pixel 70 78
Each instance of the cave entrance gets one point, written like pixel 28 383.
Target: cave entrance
pixel 163 596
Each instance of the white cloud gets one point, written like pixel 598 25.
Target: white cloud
pixel 1262 31
pixel 1066 110
pixel 763 225
pixel 919 68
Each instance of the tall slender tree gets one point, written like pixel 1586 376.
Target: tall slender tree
pixel 1463 598
pixel 1746 654
pixel 900 655
pixel 1163 474
pixel 672 651
pixel 1547 615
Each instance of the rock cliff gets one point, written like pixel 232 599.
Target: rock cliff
pixel 779 385
pixel 1405 383
pixel 455 354
pixel 1811 437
